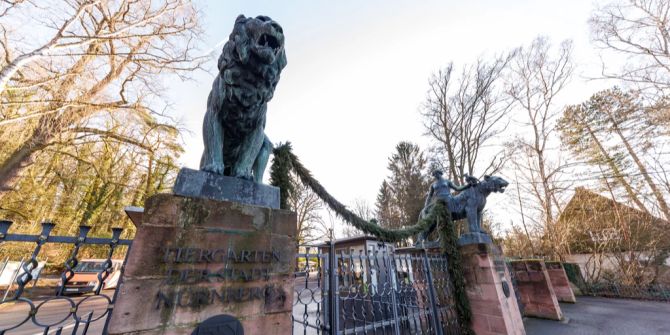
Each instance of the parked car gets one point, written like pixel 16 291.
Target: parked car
pixel 85 279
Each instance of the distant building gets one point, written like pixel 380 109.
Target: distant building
pixel 602 233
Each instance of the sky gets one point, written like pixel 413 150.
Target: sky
pixel 358 73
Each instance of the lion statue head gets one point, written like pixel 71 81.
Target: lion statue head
pixel 495 184
pixel 255 45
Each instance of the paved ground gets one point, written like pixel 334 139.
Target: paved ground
pixel 590 316
pixel 596 316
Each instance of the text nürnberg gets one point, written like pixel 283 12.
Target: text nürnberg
pixel 234 268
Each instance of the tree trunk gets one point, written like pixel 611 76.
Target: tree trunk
pixel 10 69
pixel 643 170
pixel 617 173
pixel 55 124
pixel 19 159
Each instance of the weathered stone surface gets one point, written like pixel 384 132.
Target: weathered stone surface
pixel 201 184
pixel 560 282
pixel 179 270
pixel 148 242
pixel 536 291
pixel 492 312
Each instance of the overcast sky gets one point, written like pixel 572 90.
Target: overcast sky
pixel 358 72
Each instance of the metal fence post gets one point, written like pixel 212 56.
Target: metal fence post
pixel 332 289
pixel 24 274
pixel 394 283
pixel 431 295
pixel 40 272
pixel 110 308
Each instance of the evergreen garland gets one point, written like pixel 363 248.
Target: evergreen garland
pixel 450 247
pixel 280 173
pixel 284 161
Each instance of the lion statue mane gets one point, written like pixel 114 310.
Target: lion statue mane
pixel 234 124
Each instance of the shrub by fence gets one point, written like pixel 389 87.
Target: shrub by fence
pixel 615 290
pixel 654 292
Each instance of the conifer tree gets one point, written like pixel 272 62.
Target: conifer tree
pixel 401 196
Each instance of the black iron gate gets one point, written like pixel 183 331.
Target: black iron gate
pixel 59 314
pixel 378 291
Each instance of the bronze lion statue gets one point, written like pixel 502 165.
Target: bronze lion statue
pixel 234 125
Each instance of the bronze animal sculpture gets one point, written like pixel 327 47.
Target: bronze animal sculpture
pixel 234 125
pixel 469 204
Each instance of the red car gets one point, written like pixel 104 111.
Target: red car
pixel 85 279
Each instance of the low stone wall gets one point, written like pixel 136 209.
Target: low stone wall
pixel 560 282
pixel 537 292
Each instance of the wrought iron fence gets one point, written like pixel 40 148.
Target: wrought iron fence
pixel 59 313
pixel 615 290
pixel 378 291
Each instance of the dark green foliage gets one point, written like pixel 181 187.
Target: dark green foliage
pixel 574 274
pixel 401 196
pixel 285 160
pixel 449 239
pixel 280 173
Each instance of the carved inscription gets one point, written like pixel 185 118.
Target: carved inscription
pixel 184 269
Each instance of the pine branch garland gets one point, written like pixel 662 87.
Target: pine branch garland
pixel 280 173
pixel 449 241
pixel 284 160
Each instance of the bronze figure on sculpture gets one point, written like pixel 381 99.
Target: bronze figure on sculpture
pixel 468 204
pixel 234 125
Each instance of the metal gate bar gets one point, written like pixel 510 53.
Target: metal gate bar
pixel 380 291
pixel 25 276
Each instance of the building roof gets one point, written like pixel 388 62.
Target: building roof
pixel 590 219
pixel 360 239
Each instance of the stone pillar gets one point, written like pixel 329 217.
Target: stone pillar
pixel 560 282
pixel 537 293
pixel 491 294
pixel 215 266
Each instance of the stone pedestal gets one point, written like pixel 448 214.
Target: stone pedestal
pixel 475 238
pixel 491 294
pixel 211 264
pixel 537 293
pixel 202 184
pixel 559 280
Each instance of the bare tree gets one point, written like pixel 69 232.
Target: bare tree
pixel 308 208
pixel 7 5
pixel 463 115
pixel 90 180
pixel 103 58
pixel 538 76
pixel 517 243
pixel 638 30
pixel 363 209
pixel 624 244
pixel 612 130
